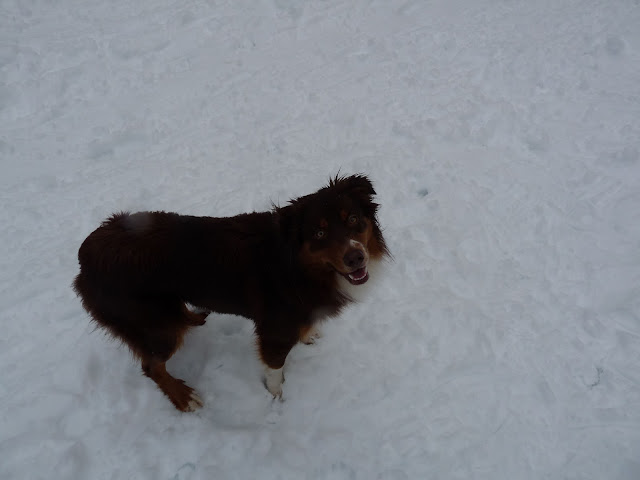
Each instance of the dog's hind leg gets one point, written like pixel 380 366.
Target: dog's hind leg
pixel 181 395
pixel 158 346
pixel 152 328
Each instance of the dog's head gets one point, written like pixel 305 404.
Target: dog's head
pixel 336 228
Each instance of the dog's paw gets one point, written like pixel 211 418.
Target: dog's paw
pixel 273 379
pixel 195 402
pixel 183 396
pixel 310 337
pixel 276 392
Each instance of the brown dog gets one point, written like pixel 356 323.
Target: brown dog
pixel 279 268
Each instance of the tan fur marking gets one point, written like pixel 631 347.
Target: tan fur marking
pixel 320 259
pixel 375 249
pixel 182 396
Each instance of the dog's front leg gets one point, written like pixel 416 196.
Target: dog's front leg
pixel 273 379
pixel 273 352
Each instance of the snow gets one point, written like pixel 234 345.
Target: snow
pixel 503 341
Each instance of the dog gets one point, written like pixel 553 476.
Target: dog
pixel 285 269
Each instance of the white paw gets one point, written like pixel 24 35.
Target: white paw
pixel 311 336
pixel 273 379
pixel 195 402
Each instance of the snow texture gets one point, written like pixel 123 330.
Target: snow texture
pixel 503 341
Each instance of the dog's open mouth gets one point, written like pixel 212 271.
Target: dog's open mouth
pixel 357 277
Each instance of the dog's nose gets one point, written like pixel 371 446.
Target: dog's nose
pixel 354 259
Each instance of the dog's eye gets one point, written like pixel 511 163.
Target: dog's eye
pixel 353 219
pixel 319 234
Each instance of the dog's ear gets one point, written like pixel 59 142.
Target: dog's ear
pixel 358 184
pixel 358 187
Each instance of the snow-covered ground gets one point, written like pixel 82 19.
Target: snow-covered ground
pixel 504 140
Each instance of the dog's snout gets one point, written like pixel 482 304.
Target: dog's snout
pixel 354 258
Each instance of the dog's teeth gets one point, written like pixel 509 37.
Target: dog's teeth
pixel 352 276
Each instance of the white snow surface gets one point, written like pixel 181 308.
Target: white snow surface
pixel 503 137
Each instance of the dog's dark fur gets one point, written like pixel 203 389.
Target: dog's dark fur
pixel 138 270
